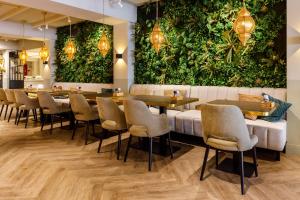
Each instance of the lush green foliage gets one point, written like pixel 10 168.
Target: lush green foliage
pixel 202 48
pixel 88 65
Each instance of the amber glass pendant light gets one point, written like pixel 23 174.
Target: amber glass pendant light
pixel 103 44
pixel 244 25
pixel 157 37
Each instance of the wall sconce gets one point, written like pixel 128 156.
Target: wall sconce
pixel 119 56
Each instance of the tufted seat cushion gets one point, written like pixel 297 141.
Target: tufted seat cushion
pixel 171 114
pixel 189 122
pixel 271 135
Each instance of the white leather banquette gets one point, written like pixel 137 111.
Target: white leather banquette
pixel 271 135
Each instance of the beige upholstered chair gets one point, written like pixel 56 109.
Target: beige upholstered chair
pixel 4 102
pixel 26 104
pixel 224 128
pixel 10 94
pixel 83 112
pixel 51 108
pixel 144 124
pixel 112 119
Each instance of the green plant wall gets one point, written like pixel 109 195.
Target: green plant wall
pixel 202 49
pixel 88 65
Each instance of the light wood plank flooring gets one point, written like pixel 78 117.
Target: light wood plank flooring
pixel 37 165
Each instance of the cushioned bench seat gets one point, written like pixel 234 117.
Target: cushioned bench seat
pixel 271 135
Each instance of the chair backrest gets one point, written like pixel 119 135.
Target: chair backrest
pixel 10 94
pixel 2 95
pixel 109 110
pixel 80 106
pixel 137 113
pixel 47 102
pixel 225 122
pixel 21 97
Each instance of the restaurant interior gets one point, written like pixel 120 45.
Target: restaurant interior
pixel 149 99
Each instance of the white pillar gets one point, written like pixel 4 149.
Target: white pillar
pixel 123 44
pixel 293 75
pixel 6 66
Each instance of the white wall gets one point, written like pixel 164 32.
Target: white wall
pixel 293 75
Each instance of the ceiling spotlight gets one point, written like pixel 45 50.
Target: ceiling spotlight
pixel 120 3
pixel 46 26
pixel 40 28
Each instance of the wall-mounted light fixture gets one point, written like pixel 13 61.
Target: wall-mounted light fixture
pixel 119 56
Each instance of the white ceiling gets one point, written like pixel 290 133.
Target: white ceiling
pixel 32 16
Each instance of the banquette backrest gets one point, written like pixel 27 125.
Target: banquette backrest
pixel 210 93
pixel 207 93
pixel 93 87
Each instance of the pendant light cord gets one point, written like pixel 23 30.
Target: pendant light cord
pixel 23 35
pixel 103 11
pixel 44 26
pixel 70 23
pixel 157 10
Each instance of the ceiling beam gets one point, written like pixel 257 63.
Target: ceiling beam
pixel 48 20
pixel 13 12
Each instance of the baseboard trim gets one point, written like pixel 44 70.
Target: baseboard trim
pixel 292 149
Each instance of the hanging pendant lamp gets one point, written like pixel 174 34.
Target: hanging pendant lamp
pixel 23 54
pixel 2 63
pixel 244 25
pixel 157 37
pixel 44 53
pixel 103 44
pixel 70 48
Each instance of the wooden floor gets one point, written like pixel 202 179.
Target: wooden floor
pixel 37 165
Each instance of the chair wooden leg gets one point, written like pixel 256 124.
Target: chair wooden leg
pixel 255 161
pixel 5 112
pixel 87 132
pixel 127 148
pixel 51 118
pixel 74 129
pixel 27 116
pixel 1 110
pixel 217 158
pixel 34 114
pixel 204 162
pixel 17 115
pixel 100 144
pixel 150 154
pixel 119 145
pixel 93 128
pixel 43 122
pixel 61 121
pixel 242 172
pixel 170 145
pixel 9 116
